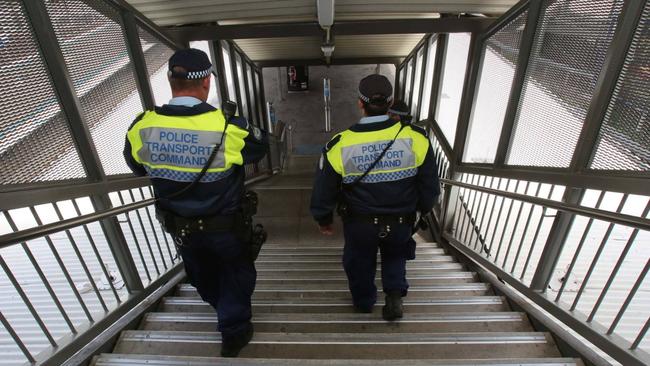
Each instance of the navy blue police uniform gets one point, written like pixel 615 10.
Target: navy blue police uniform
pixel 171 145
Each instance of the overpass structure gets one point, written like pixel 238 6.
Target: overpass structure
pixel 537 254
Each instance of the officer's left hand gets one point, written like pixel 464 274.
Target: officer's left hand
pixel 327 229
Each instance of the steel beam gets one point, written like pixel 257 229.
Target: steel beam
pixel 334 61
pixel 425 58
pixel 62 82
pixel 614 61
pixel 312 29
pixel 468 96
pixel 506 18
pixel 535 10
pixel 137 57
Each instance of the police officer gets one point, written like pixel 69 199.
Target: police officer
pixel 173 145
pixel 379 172
pixel 399 111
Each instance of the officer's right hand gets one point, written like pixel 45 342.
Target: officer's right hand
pixel 327 229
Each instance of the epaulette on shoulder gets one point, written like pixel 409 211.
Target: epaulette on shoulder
pixel 420 130
pixel 332 142
pixel 240 122
pixel 137 119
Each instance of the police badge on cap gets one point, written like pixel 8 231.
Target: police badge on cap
pixel 195 63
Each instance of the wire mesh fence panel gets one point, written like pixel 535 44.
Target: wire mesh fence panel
pixel 500 55
pixel 453 76
pixel 30 114
pixel 156 56
pixel 624 139
pixel 567 56
pixel 92 41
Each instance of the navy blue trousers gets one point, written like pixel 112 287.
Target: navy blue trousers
pixel 224 276
pixel 360 260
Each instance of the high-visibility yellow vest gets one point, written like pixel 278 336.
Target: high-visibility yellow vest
pixel 353 154
pixel 178 147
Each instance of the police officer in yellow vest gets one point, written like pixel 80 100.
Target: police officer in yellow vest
pixel 173 145
pixel 379 173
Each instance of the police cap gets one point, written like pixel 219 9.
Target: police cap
pixel 375 89
pixel 399 108
pixel 195 62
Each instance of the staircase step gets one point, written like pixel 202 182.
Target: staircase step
pixel 338 266
pixel 433 254
pixel 307 272
pixel 414 280
pixel 159 360
pixel 339 246
pixel 349 323
pixel 346 345
pixel 334 306
pixel 341 291
pixel 289 261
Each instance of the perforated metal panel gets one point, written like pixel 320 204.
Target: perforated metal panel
pixel 453 77
pixel 624 141
pixel 156 55
pixel 35 142
pixel 568 53
pixel 91 39
pixel 500 55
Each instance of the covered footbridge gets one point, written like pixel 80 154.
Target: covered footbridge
pixel 539 113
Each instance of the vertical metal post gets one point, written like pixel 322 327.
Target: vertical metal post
pixel 425 56
pixel 61 81
pixel 450 196
pixel 555 241
pixel 535 10
pixel 436 83
pixel 118 246
pixel 607 79
pixel 468 96
pixel 235 77
pixel 262 95
pixel 217 57
pixel 137 57
pixel 258 103
pixel 244 68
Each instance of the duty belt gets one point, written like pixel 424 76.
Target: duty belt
pixel 383 221
pixel 182 226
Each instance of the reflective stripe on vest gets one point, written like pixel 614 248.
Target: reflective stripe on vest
pixel 177 147
pixel 356 151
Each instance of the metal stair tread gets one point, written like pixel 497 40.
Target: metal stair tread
pixel 161 360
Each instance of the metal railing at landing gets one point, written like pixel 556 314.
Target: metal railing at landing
pixel 77 272
pixel 584 264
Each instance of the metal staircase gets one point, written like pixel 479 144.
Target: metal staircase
pixel 303 313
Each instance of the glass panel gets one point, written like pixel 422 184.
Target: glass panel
pixel 409 78
pixel 402 81
pixel 230 81
pixel 30 115
pixel 500 55
pixel 242 87
pixel 428 79
pixel 453 77
pixel 213 98
pixel 95 52
pixel 624 141
pixel 567 57
pixel 416 86
pixel 251 91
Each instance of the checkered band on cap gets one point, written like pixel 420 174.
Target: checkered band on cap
pixel 367 100
pixel 191 75
pixel 399 113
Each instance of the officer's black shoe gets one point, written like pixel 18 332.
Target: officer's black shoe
pixel 393 308
pixel 363 309
pixel 230 347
